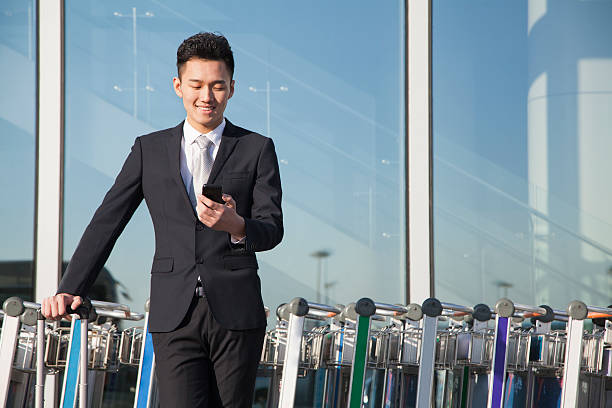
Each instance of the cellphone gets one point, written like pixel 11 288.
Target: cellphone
pixel 214 192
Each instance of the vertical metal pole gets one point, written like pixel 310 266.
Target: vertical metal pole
pixel 292 361
pixel 298 308
pixel 428 356
pixel 8 342
pixel 146 368
pixel 497 379
pixel 571 370
pixel 40 361
pixel 71 373
pixel 465 382
pixel 83 366
pixel 360 357
pixel 268 107
pixel 577 312
pixel 134 45
pixel 362 313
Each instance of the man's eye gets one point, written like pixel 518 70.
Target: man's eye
pixel 219 88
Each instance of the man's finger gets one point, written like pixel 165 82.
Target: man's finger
pixel 44 308
pixel 229 201
pixel 211 204
pixel 61 306
pixel 76 302
pixel 54 313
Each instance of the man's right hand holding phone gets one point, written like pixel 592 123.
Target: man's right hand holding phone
pixel 221 217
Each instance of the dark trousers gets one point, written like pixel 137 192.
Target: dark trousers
pixel 201 364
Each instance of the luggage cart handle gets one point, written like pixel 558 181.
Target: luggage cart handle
pixel 120 314
pixel 507 308
pixel 480 312
pixel 99 304
pixel 13 306
pixel 95 311
pixel 579 310
pixel 85 311
pixel 301 307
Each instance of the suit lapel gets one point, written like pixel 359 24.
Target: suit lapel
pixel 228 143
pixel 174 155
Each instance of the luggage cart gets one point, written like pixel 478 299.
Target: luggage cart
pixel 12 309
pixel 362 313
pixel 574 356
pixel 137 349
pixel 395 351
pixel 58 348
pixel 103 342
pixel 464 354
pixel 296 350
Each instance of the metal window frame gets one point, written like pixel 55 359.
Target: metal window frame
pixel 49 173
pixel 419 174
pixel 49 148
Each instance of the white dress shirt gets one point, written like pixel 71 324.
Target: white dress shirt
pixel 189 148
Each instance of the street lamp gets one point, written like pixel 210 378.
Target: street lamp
pixel 267 90
pixel 504 286
pixel 320 255
pixel 134 18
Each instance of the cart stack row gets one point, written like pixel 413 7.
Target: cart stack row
pixel 365 354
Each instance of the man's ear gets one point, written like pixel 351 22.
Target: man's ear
pixel 231 89
pixel 176 84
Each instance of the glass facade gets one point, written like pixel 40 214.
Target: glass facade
pixel 333 106
pixel 17 147
pixel 334 112
pixel 522 95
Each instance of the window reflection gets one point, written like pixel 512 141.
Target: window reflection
pixel 329 95
pixel 520 95
pixel 17 147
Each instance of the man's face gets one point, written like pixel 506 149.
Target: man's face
pixel 205 87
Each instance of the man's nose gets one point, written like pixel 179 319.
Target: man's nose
pixel 205 94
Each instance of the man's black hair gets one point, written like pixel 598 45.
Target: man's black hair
pixel 207 46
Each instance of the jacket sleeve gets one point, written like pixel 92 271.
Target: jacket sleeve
pixel 264 230
pixel 108 222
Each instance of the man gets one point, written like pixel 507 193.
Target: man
pixel 206 313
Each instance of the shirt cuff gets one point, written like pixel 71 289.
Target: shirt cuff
pixel 237 241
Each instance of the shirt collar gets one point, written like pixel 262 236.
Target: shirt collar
pixel 190 134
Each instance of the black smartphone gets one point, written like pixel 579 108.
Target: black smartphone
pixel 214 192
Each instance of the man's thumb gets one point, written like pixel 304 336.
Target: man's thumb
pixel 76 302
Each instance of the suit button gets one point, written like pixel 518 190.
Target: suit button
pixel 200 260
pixel 199 226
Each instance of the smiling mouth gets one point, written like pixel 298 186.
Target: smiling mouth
pixel 205 109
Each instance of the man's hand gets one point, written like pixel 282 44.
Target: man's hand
pixel 221 217
pixel 54 307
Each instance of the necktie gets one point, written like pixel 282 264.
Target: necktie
pixel 202 164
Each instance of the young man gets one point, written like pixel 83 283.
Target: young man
pixel 206 313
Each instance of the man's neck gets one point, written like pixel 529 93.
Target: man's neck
pixel 201 128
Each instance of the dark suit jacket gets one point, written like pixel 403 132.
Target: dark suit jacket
pixel 247 167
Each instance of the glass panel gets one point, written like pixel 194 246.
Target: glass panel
pixel 329 94
pixel 17 147
pixel 521 98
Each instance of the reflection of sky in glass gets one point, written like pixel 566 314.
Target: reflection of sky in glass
pixel 338 129
pixel 17 142
pixel 522 96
